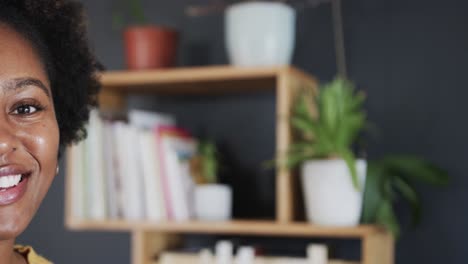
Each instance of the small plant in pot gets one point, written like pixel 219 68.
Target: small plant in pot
pixel 147 46
pixel 212 200
pixel 332 178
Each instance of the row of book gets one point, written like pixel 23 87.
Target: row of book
pixel 136 169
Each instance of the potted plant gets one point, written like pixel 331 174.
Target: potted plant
pixel 391 179
pixel 260 33
pixel 212 200
pixel 146 46
pixel 332 178
pixel 257 33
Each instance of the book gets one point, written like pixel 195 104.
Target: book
pixel 154 198
pixel 77 177
pixel 175 147
pixel 95 183
pixel 146 121
pixel 112 169
pixel 131 195
pixel 126 170
pixel 149 120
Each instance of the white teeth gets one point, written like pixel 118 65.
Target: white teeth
pixel 9 181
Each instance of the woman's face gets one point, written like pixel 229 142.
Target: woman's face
pixel 29 134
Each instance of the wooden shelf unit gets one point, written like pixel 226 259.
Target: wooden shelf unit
pixel 149 238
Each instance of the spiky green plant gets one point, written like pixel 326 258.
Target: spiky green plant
pixel 392 178
pixel 333 131
pixel 209 161
pixel 133 9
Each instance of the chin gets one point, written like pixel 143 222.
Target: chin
pixel 15 217
pixel 12 227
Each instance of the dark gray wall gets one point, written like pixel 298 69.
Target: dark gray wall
pixel 411 57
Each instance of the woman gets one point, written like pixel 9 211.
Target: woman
pixel 47 86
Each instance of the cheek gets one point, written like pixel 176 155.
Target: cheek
pixel 42 142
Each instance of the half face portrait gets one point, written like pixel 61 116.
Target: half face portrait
pixel 48 84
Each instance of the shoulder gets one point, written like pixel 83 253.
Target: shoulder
pixel 31 256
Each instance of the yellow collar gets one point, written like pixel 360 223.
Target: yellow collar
pixel 31 256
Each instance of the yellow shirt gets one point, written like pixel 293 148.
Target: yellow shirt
pixel 31 256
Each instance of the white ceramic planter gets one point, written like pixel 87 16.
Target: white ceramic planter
pixel 260 33
pixel 330 196
pixel 213 202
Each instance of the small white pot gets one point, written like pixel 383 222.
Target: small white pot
pixel 213 202
pixel 260 33
pixel 329 193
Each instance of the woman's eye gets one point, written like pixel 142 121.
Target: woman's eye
pixel 25 110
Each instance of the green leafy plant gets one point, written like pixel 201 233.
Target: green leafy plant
pixel 392 178
pixel 208 155
pixel 132 9
pixel 333 131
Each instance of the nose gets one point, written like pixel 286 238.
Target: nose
pixel 8 140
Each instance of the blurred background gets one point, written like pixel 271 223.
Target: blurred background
pixel 410 57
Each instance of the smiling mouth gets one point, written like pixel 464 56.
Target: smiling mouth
pixel 13 187
pixel 11 181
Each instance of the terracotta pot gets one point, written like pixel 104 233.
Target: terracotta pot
pixel 150 47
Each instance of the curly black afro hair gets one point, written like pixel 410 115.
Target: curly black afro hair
pixel 57 31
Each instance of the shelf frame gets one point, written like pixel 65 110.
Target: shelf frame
pixel 150 238
pixel 285 81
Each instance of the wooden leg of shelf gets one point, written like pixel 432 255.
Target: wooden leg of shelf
pixel 146 246
pixel 378 249
pixel 111 101
pixel 289 83
pixel 284 196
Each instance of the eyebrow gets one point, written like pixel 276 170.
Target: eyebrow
pixel 19 83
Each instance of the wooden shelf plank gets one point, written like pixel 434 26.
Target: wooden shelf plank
pixel 236 227
pixel 213 79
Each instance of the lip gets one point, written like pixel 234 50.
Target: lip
pixel 13 170
pixel 13 194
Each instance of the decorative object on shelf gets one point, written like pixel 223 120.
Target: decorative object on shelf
pixel 317 254
pixel 392 178
pixel 213 201
pixel 329 194
pixel 219 6
pixel 260 33
pixel 332 133
pixel 245 255
pixel 224 252
pixel 333 181
pixel 147 46
pixel 205 256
